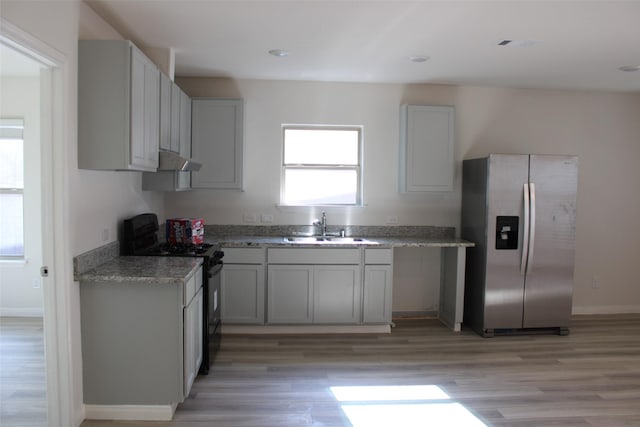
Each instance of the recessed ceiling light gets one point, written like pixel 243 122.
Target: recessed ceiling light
pixel 418 58
pixel 630 68
pixel 279 53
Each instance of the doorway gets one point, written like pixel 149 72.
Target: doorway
pixel 53 250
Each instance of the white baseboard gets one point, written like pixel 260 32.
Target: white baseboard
pixel 130 412
pixel 21 312
pixel 607 309
pixel 306 329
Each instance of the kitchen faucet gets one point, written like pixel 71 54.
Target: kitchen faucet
pixel 322 223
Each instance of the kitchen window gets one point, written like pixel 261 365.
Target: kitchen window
pixel 11 188
pixel 322 166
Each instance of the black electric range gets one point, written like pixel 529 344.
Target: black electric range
pixel 140 238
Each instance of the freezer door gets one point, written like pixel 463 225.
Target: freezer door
pixel 504 287
pixel 549 279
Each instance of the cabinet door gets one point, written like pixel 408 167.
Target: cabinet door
pixel 337 294
pixel 137 149
pixel 217 143
pixel 377 294
pixel 427 143
pixel 175 118
pixel 151 114
pixel 290 294
pixel 192 340
pixel 242 288
pixel 165 112
pixel 145 111
pixel 118 107
pixel 185 125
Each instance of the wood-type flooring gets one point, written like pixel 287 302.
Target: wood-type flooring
pixel 588 378
pixel 23 401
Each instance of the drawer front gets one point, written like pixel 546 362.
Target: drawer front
pixel 314 256
pixel 378 256
pixel 243 255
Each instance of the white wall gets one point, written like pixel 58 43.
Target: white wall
pixel 601 128
pixel 103 199
pixel 18 296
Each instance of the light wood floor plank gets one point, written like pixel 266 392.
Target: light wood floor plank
pixel 590 378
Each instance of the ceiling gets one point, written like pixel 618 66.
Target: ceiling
pixel 575 45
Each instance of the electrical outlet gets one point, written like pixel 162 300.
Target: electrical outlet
pixel 36 283
pixel 266 218
pixel 250 218
pixel 392 219
pixel 595 282
pixel 105 234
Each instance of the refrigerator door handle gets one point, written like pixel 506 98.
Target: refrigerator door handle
pixel 532 226
pixel 525 238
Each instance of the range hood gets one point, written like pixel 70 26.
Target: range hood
pixel 169 161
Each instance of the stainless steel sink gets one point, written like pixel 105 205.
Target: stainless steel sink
pixel 326 239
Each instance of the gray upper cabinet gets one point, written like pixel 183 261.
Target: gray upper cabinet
pixel 217 143
pixel 426 148
pixel 175 136
pixel 165 112
pixel 176 103
pixel 118 107
pixel 185 125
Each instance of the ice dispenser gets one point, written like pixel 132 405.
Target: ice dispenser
pixel 507 232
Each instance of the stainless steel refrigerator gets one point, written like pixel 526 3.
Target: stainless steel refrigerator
pixel 520 212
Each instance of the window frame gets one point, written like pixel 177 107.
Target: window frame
pixel 13 129
pixel 358 167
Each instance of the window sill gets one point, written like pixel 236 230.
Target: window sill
pixel 17 262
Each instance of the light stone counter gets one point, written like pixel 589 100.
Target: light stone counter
pixel 378 242
pixel 141 269
pixel 453 251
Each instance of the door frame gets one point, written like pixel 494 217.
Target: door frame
pixel 55 116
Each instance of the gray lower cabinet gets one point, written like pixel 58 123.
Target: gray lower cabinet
pixel 377 294
pixel 290 294
pixel 193 314
pixel 337 294
pixel 242 286
pixel 378 289
pixel 313 294
pixel 141 342
pixel 307 286
pixel 311 285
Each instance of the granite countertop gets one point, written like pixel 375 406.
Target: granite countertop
pixel 378 242
pixel 142 269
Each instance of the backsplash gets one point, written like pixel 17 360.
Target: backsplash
pixel 350 230
pixel 93 258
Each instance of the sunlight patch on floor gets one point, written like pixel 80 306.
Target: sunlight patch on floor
pixel 372 406
pixel 388 393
